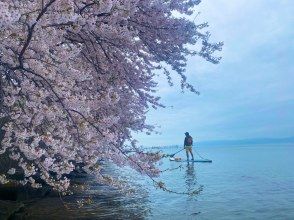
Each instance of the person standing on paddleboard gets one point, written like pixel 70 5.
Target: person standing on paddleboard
pixel 188 143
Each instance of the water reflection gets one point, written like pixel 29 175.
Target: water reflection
pixel 101 202
pixel 116 206
pixel 191 209
pixel 190 177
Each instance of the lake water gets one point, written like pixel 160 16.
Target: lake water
pixel 242 182
pixel 255 182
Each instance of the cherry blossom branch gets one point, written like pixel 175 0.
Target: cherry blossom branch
pixel 30 32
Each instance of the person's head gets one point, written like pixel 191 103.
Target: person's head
pixel 187 134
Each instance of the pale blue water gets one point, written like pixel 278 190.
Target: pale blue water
pixel 255 182
pixel 242 182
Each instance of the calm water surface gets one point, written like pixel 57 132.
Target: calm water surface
pixel 243 182
pixel 255 182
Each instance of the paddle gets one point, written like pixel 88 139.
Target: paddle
pixel 172 155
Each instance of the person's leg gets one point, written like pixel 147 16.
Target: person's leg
pixel 191 153
pixel 187 153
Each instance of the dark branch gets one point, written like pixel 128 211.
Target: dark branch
pixel 30 32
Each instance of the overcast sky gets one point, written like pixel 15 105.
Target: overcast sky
pixel 250 94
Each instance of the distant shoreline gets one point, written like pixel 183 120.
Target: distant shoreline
pixel 256 141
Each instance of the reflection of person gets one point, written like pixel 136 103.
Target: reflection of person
pixel 188 143
pixel 190 177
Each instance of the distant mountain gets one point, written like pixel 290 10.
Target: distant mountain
pixel 249 141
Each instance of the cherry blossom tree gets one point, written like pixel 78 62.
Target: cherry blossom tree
pixel 77 77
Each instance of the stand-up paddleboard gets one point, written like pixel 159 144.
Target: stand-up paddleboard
pixel 177 159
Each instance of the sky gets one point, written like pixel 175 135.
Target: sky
pixel 250 93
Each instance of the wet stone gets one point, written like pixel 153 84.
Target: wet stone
pixel 9 208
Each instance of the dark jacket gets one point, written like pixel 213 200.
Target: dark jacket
pixel 186 142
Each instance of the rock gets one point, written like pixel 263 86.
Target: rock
pixel 8 192
pixel 14 192
pixel 9 208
